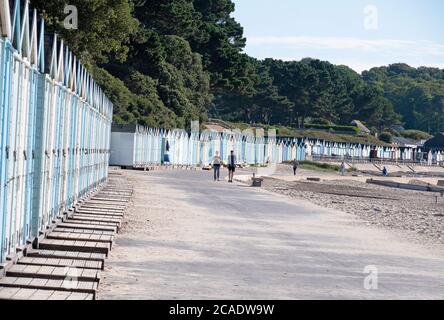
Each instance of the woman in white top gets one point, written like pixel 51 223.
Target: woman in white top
pixel 216 166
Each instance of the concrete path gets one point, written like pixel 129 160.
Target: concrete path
pixel 188 237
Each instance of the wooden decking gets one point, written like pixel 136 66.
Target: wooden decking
pixel 20 293
pixel 66 263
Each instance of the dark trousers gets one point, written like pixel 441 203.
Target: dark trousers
pixel 216 168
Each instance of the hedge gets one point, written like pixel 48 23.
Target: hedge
pixel 415 134
pixel 386 137
pixel 350 129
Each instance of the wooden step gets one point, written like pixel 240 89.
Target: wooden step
pixel 114 194
pixel 105 210
pixel 97 225
pixel 67 263
pixel 87 226
pixel 100 213
pixel 56 273
pixel 71 245
pixel 110 199
pixel 119 193
pixel 95 218
pixel 105 203
pixel 80 236
pixel 102 207
pixel 50 284
pixel 91 231
pixel 38 294
pixel 59 262
pixel 89 256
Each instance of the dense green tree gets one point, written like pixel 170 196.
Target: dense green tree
pixel 220 42
pixel 104 27
pixel 167 17
pixel 262 103
pixel 417 94
pixel 318 89
pixel 167 62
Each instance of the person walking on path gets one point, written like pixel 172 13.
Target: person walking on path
pixel 231 166
pixel 385 172
pixel 166 156
pixel 295 166
pixel 216 166
pixel 342 169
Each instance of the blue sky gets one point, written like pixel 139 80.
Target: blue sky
pixel 358 33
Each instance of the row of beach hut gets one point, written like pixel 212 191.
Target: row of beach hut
pixel 55 125
pixel 138 146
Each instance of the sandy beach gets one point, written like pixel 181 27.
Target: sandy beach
pixel 419 214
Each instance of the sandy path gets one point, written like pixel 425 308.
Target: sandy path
pixel 188 237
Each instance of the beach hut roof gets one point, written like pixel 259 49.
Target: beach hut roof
pixel 435 143
pixel 404 142
pixel 130 128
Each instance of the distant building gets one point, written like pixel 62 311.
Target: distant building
pixel 421 142
pixel 361 126
pixel 436 143
pixel 405 142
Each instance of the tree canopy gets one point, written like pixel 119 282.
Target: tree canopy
pixel 416 93
pixel 166 62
